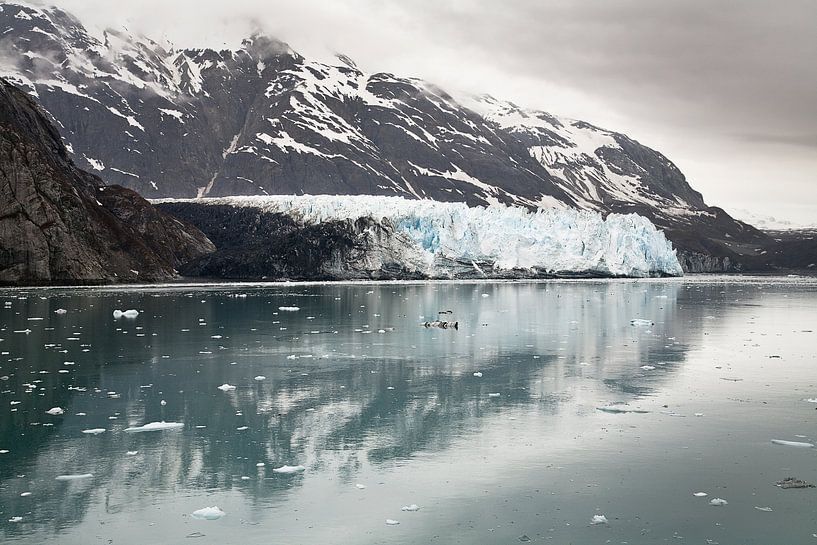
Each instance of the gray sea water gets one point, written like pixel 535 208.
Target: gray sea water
pixel 383 413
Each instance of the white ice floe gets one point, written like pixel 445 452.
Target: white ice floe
pixel 259 378
pixel 648 367
pixel 131 313
pixel 641 322
pixel 392 522
pixel 799 444
pixel 16 519
pixel 55 411
pixel 155 426
pixel 289 469
pixel 132 452
pixel 360 486
pixel 410 508
pixel 434 238
pixel 226 387
pixel 60 311
pixel 289 309
pixel 700 494
pixel 478 374
pixel 620 409
pixel 764 509
pixel 208 513
pixel 598 519
pixel 94 431
pixel 494 394
pixel 718 502
pixel 74 477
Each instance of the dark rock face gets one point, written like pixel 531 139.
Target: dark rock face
pixel 58 225
pixel 265 120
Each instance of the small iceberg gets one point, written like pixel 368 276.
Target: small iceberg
pixel 478 374
pixel 60 311
pixel 620 409
pixel 598 519
pixel 208 513
pixel 411 508
pixel 392 522
pixel 289 309
pixel 700 494
pixel 798 444
pixel 75 477
pixel 641 322
pixel 226 387
pixel 289 470
pixel 718 502
pixel 56 411
pixel 360 486
pixel 259 378
pixel 16 519
pixel 94 431
pixel 155 426
pixel 130 313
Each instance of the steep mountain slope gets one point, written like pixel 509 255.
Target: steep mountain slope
pixel 265 120
pixel 58 224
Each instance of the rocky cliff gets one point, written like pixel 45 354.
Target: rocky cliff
pixel 59 224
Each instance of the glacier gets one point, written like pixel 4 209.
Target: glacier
pixel 452 240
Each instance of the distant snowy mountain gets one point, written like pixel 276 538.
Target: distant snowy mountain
pixel 264 120
pixel 769 223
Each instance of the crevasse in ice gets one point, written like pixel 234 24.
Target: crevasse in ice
pixel 505 237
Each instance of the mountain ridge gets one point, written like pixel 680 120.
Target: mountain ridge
pixel 263 119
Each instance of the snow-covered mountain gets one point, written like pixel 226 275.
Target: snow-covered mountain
pixel 264 120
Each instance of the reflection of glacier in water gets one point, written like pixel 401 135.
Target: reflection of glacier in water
pixel 353 384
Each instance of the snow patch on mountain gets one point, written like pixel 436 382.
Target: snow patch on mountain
pixel 505 238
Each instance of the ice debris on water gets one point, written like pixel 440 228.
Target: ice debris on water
pixel 259 378
pixel 411 508
pixel 798 444
pixel 74 477
pixel 700 494
pixel 648 367
pixel 16 519
pixel 60 311
pixel 791 482
pixel 765 509
pixel 130 313
pixel 478 374
pixel 208 513
pixel 620 409
pixel 226 387
pixel 718 502
pixel 494 394
pixel 289 309
pixel 155 426
pixel 392 522
pixel 360 486
pixel 641 322
pixel 56 411
pixel 94 431
pixel 598 519
pixel 132 452
pixel 288 470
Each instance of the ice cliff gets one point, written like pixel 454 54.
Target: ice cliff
pixel 433 239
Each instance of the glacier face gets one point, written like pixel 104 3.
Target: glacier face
pixel 440 240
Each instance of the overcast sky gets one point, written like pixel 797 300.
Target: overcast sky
pixel 727 90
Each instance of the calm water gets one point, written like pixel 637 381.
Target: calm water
pixel 359 394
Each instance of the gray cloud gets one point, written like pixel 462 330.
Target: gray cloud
pixel 714 85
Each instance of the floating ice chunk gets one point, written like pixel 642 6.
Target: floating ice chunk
pixel 648 367
pixel 25 494
pixel 130 313
pixel 718 501
pixel 641 322
pixel 698 414
pixel 289 309
pixel 226 387
pixel 620 409
pixel 16 519
pixel 799 444
pixel 598 519
pixel 60 311
pixel 494 394
pixel 74 477
pixel 478 374
pixel 360 486
pixel 94 431
pixel 208 513
pixel 260 464
pixel 132 452
pixel 811 400
pixel 764 509
pixel 155 426
pixel 392 522
pixel 4 451
pixel 56 411
pixel 259 378
pixel 700 494
pixel 411 508
pixel 288 470
pixel 242 428
pixel 791 482
pixel 486 295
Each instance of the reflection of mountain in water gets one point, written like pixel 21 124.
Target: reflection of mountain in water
pixel 342 388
